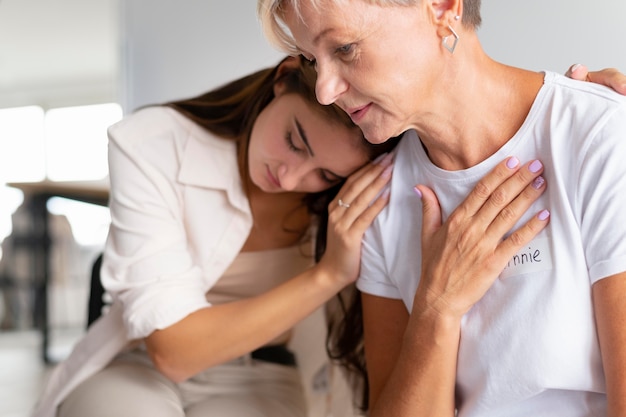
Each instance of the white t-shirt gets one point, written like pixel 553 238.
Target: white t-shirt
pixel 529 346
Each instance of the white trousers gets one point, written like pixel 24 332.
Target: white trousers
pixel 131 387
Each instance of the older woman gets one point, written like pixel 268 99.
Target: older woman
pixel 479 329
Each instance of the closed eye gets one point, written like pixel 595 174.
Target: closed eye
pixel 329 177
pixel 290 144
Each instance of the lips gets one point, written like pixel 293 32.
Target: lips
pixel 272 179
pixel 357 114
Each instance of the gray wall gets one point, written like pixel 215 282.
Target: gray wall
pixel 553 34
pixel 175 49
pixel 56 53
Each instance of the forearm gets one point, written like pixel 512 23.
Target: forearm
pixel 220 333
pixel 422 381
pixel 610 316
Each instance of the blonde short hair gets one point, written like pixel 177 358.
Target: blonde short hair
pixel 271 14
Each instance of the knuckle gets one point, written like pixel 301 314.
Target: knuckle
pixel 508 215
pixel 517 238
pixel 482 190
pixel 363 222
pixel 524 176
pixel 498 197
pixel 535 189
pixel 532 228
pixel 465 241
pixel 456 219
pixel 333 216
pixel 356 201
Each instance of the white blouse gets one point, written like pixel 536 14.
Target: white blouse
pixel 179 219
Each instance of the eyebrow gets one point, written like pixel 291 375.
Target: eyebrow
pixel 308 146
pixel 318 37
pixel 303 136
pixel 322 34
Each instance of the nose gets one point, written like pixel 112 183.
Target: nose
pixel 329 85
pixel 290 176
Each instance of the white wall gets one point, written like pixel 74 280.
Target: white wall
pixel 56 53
pixel 176 49
pixel 553 34
pixel 64 52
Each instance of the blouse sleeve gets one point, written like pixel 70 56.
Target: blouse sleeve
pixel 148 264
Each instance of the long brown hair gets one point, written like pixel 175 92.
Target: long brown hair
pixel 229 112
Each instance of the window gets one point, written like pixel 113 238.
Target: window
pixel 22 155
pixel 76 141
pixel 61 144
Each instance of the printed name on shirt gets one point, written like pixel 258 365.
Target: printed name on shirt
pixel 535 257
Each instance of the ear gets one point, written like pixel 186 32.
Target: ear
pixel 444 14
pixel 291 63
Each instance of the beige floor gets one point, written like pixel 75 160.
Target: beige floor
pixel 22 371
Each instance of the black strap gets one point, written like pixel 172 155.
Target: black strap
pixel 275 354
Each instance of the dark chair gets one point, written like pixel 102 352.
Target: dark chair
pixel 97 301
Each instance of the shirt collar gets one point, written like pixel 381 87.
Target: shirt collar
pixel 211 162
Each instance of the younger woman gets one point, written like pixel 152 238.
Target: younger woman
pixel 213 202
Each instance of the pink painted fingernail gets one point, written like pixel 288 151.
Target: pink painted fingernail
pixel 418 192
pixel 543 214
pixel 538 182
pixel 386 160
pixel 387 172
pixel 512 162
pixel 535 166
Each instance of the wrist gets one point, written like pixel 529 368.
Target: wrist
pixel 328 279
pixel 435 317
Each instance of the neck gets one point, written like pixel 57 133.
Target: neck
pixel 481 106
pixel 279 219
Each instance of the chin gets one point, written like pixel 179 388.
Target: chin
pixel 255 183
pixel 265 187
pixel 377 136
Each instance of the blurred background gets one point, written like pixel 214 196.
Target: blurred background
pixel 68 70
pixel 71 68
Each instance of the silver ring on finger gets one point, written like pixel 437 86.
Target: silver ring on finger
pixel 342 204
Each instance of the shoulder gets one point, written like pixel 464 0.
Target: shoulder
pixel 159 121
pixel 161 140
pixel 148 121
pixel 580 112
pixel 586 93
pixel 161 127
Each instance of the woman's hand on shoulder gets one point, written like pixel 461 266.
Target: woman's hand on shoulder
pixel 353 210
pixel 609 77
pixel 463 256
